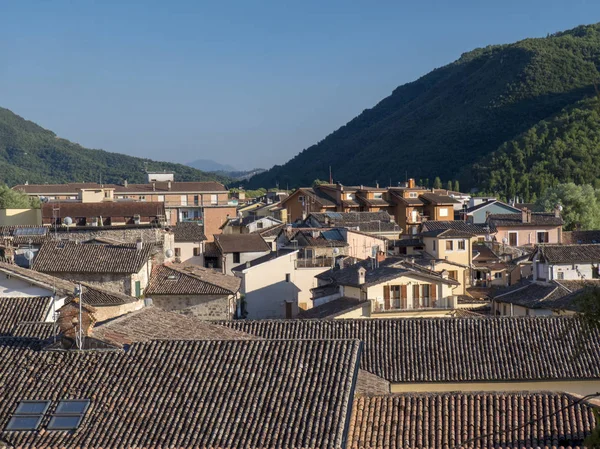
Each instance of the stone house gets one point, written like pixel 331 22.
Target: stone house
pixel 527 228
pixel 121 268
pixel 194 290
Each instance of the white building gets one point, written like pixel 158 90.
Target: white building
pixel 566 262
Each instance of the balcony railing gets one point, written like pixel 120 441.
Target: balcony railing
pixel 316 262
pixel 396 305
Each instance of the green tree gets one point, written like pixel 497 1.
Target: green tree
pixel 456 186
pixel 437 183
pixel 14 199
pixel 427 182
pixel 449 185
pixel 318 182
pixel 581 205
pixel 421 182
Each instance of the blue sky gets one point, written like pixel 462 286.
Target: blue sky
pixel 247 83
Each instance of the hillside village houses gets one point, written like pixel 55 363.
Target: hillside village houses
pixel 334 303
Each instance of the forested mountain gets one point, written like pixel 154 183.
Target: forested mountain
pixel 31 153
pixel 524 111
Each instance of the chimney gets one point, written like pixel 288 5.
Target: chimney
pixel 444 274
pixel 377 185
pixel 524 215
pixel 68 322
pixel 139 244
pixel 125 183
pixel 153 186
pixel 557 210
pixel 411 183
pixel 362 273
pixel 380 256
pixel 169 185
pixel 529 216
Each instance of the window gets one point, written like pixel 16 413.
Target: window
pixel 595 273
pixel 28 415
pixel 288 277
pixel 497 275
pixel 184 200
pixel 443 212
pixel 106 194
pixel 542 237
pixel 142 197
pixel 349 196
pixel 196 200
pixel 260 225
pixel 412 194
pixel 504 309
pixel 453 274
pixel 526 312
pixel 161 198
pixel 196 251
pixel 513 239
pixel 177 252
pixel 68 415
pixel 461 245
pixel 236 258
pixel 449 245
pixel 301 199
pixel 214 199
pixel 560 275
pixel 434 244
pixel 395 292
pixel 378 195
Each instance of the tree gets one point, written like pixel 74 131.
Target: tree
pixel 456 186
pixel 427 182
pixel 449 186
pixel 318 182
pixel 15 199
pixel 421 182
pixel 437 183
pixel 581 205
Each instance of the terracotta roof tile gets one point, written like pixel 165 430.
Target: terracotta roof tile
pixel 15 310
pixel 568 254
pixel 241 243
pixel 450 419
pixel 179 279
pixel 188 394
pixel 72 257
pixel 455 350
pixel 579 237
pixel 333 308
pixel 516 220
pixel 188 232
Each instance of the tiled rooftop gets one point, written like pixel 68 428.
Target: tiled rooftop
pixel 15 310
pixel 455 350
pixel 516 220
pixel 187 394
pixel 181 279
pixel 72 257
pixel 569 254
pixel 188 232
pixel 448 420
pixel 241 243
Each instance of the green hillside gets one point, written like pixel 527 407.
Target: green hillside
pixel 449 122
pixel 31 153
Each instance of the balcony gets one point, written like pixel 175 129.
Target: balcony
pixel 316 262
pixel 399 305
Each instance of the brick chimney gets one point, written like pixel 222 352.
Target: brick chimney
pixel 380 256
pixel 411 183
pixel 525 217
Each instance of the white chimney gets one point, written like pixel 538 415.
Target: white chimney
pixel 362 273
pixel 139 244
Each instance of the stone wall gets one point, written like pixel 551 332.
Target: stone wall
pixel 120 283
pixel 201 306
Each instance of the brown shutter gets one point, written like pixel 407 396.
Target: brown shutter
pixel 433 294
pixel 403 296
pixel 386 297
pixel 416 291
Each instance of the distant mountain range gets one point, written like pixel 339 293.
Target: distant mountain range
pixel 31 153
pixel 511 119
pixel 227 171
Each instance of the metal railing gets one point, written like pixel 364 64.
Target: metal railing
pixel 316 262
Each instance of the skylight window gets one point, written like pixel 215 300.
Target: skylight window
pixel 68 415
pixel 28 415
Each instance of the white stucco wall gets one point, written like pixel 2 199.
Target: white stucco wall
pixel 304 278
pixel 187 252
pixel 266 289
pixel 244 257
pixel 17 287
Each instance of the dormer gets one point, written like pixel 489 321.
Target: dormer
pixel 362 274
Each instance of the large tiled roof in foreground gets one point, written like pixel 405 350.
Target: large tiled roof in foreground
pixel 188 279
pixel 449 420
pixel 188 394
pixel 455 350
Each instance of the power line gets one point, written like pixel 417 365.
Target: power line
pixel 533 421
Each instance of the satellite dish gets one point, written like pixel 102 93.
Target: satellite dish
pixel 505 240
pixel 336 250
pixel 560 208
pixel 29 255
pixel 169 253
pixel 68 221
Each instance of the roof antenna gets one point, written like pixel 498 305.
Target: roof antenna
pixel 330 176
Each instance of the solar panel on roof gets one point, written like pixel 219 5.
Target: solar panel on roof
pixel 68 414
pixel 333 214
pixel 30 231
pixel 332 235
pixel 28 415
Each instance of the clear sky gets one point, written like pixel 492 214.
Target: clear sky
pixel 248 83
